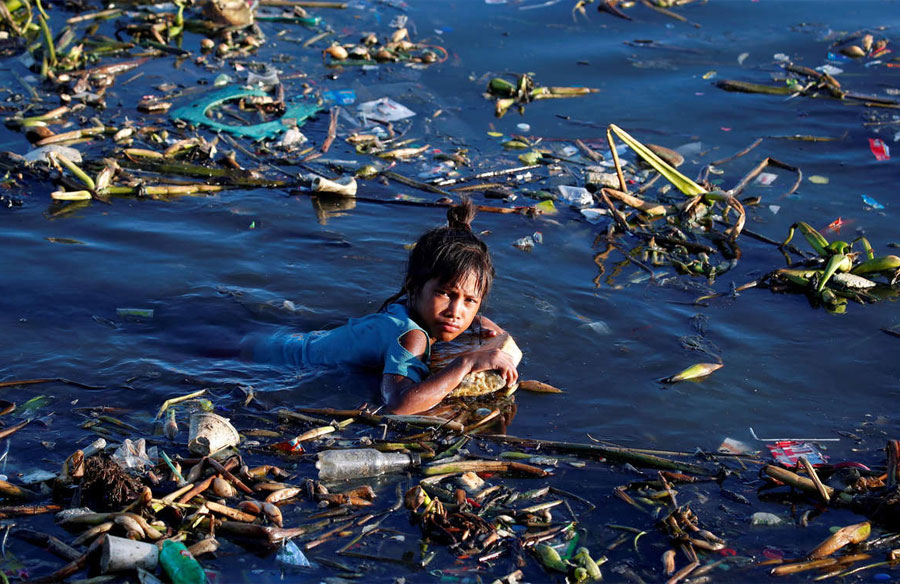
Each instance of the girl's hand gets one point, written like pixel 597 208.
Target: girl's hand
pixel 494 360
pixel 488 328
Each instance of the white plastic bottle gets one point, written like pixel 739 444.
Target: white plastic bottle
pixel 359 463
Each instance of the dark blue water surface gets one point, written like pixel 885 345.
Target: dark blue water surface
pixel 213 268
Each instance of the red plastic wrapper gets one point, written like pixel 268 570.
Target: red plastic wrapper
pixel 290 446
pixel 879 149
pixel 788 453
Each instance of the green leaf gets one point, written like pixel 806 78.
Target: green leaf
pixel 693 372
pixel 681 182
pixel 31 406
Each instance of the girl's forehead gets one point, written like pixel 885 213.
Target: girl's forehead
pixel 467 282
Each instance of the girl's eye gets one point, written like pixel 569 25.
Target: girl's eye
pixel 472 300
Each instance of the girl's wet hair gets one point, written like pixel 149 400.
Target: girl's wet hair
pixel 448 253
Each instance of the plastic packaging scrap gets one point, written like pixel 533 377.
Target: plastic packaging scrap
pixel 43 153
pixel 871 202
pixel 732 446
pixel 762 518
pixel 384 110
pixel 292 138
pixel 362 463
pixel 788 453
pixel 179 564
pixel 766 178
pixel 196 112
pixel 133 454
pixel 593 215
pixel 340 96
pixel 879 149
pixel 38 476
pixel 268 78
pixel 527 243
pixel 829 69
pixel 292 555
pixel 576 196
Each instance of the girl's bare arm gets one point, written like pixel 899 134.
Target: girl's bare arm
pixel 488 328
pixel 402 395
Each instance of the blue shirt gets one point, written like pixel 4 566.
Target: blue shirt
pixel 371 341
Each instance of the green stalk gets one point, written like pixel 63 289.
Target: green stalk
pixel 870 253
pixel 48 39
pixel 744 87
pixel 79 174
pixel 837 262
pixel 164 190
pixel 184 169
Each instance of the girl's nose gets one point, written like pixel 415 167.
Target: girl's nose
pixel 454 308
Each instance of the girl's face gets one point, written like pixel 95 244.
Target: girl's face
pixel 447 310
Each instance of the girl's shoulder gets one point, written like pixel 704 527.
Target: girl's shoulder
pixel 397 312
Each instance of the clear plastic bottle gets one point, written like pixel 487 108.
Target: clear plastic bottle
pixel 178 563
pixel 361 463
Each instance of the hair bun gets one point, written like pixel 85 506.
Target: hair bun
pixel 460 216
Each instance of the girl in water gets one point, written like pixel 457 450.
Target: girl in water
pixel 449 274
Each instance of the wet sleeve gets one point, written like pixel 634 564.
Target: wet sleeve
pixel 280 348
pixel 399 361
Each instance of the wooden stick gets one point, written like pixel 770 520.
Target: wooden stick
pixel 484 466
pixel 636 202
pixel 72 567
pixel 196 489
pixel 52 544
pixel 794 480
pixel 588 151
pixel 227 511
pixel 332 129
pixel 12 491
pixel 48 380
pixel 683 573
pixel 227 474
pixel 815 479
pixel 613 452
pixel 24 510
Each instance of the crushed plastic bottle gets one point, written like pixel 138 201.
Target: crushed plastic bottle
pixel 362 463
pixel 178 563
pixel 575 196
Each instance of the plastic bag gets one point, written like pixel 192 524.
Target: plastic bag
pixel 134 454
pixel 292 555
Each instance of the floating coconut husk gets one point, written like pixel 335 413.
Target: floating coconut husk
pixel 484 382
